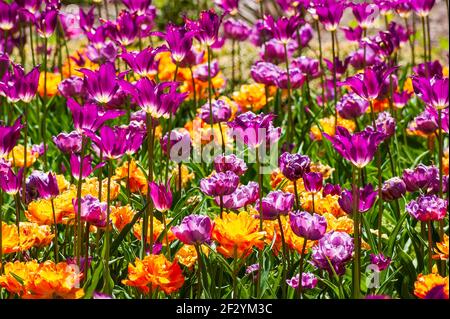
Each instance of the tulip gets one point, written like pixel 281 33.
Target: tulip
pixel 223 163
pixel 194 230
pixel 68 142
pixel 276 203
pixel 9 135
pixel 161 196
pixel 92 210
pixel 366 199
pixel 310 227
pixel 394 188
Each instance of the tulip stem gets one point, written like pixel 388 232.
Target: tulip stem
pixel 260 180
pixel 235 269
pixel 297 198
pixel 322 82
pixel 193 91
pixel 86 253
pixel 233 72
pixel 221 205
pixel 128 178
pixel 313 208
pixel 106 275
pixel 78 218
pixel 169 129
pixel 429 37
pixel 44 104
pixel 32 45
pixel 333 49
pixel 285 257
pixel 424 38
pixel 290 123
pixel 17 202
pixel 430 247
pixel 210 90
pixel 300 269
pixel 356 172
pixel 100 178
pixel 24 177
pixel 55 225
pixel 199 271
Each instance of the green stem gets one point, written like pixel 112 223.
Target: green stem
pixel 1 233
pixel 430 247
pixel 166 175
pixel 24 178
pixel 322 81
pixel 300 269
pixel 44 106
pixel 356 231
pixel 297 198
pixel 290 122
pixel 55 225
pixel 199 271
pixel 210 90
pixel 78 218
pixel 333 45
pixel 285 257
pixel 106 257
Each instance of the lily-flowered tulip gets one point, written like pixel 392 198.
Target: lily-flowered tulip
pixel 92 210
pixel 219 184
pixel 101 85
pixel 276 203
pixel 330 189
pixel 367 197
pixel 254 130
pixel 353 34
pixel 428 70
pixel 46 23
pixel 90 116
pixel 179 40
pixel 434 91
pixel 293 166
pixel 370 84
pixel 87 166
pixel 68 142
pixel 125 29
pixel 420 178
pixel 161 196
pixel 180 141
pixel 206 28
pixel 107 141
pixel 330 14
pixel 48 187
pixel 8 15
pixel 9 135
pixel 427 208
pixel 236 30
pixel 158 100
pixel 10 182
pixel 358 148
pixel 230 6
pixel 137 6
pixel 284 28
pixel 20 86
pixel 365 13
pixel 380 260
pixel 194 230
pixel 422 7
pixel 143 63
pixel 310 227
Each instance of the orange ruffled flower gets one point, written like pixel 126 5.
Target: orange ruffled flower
pixel 53 79
pixel 251 97
pixel 122 216
pixel 155 271
pixel 237 234
pixel 322 205
pixel 327 126
pixel 186 176
pixel 187 255
pixel 425 283
pixel 138 181
pixel 158 228
pixel 442 249
pixel 15 157
pixel 344 223
pixel 42 281
pixel 31 235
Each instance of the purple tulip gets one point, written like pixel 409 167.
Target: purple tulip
pixel 351 106
pixel 368 85
pixel 143 63
pixel 296 77
pixel 101 85
pixel 201 71
pixel 381 261
pixel 87 166
pixel 428 70
pixel 9 135
pixel 276 203
pixel 92 210
pixel 87 19
pixel 99 295
pixel 20 86
pixel 48 187
pixel 313 181
pixel 422 7
pixel 427 208
pixel 330 189
pixel 399 100
pixel 46 23
pixel 134 138
pixel 420 178
pixel 265 73
pixel 309 281
pixel 425 122
pixel 365 13
pixel 154 98
pixel 230 6
pixel 434 91
pixel 274 51
pixel 243 195
pixel 219 184
pixel 444 117
pixel 330 14
pixel 392 189
pixel 161 196
pixel 68 142
pixel 8 15
pixel 179 40
pixel 310 227
pixel 254 130
pixel 221 111
pixel 179 140
pixel 284 28
pixel 308 66
pixel 338 66
pixel 107 142
pixel 293 166
pixel 353 34
pixel 384 124
pixel 194 230
pixel 90 116
pixel 72 87
pixel 10 182
pixel 358 148
pixel 236 30
pixel 367 197
pixel 335 248
pixel 223 163
pixel 206 28
pixel 253 271
pixel 102 53
pixel 137 6
pixel 124 30
pixel 306 34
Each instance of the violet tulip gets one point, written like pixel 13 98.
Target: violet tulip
pixel 179 40
pixel 87 166
pixel 219 184
pixel 265 73
pixel 107 141
pixel 434 91
pixel 48 187
pixel 365 13
pixel 9 135
pixel 313 181
pixel 381 261
pixel 92 210
pixel 236 30
pixel 392 189
pixel 101 84
pixel 310 227
pixel 367 197
pixel 68 142
pixel 223 163
pixel 10 182
pixel 427 208
pixel 243 195
pixel 161 196
pixel 194 230
pixel 284 28
pixel 293 166
pixel 143 63
pixel 46 23
pixel 20 86
pixel 180 140
pixel 330 14
pixel 351 106
pixel 221 111
pixel 206 28
pixel 276 203
pixel 309 281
